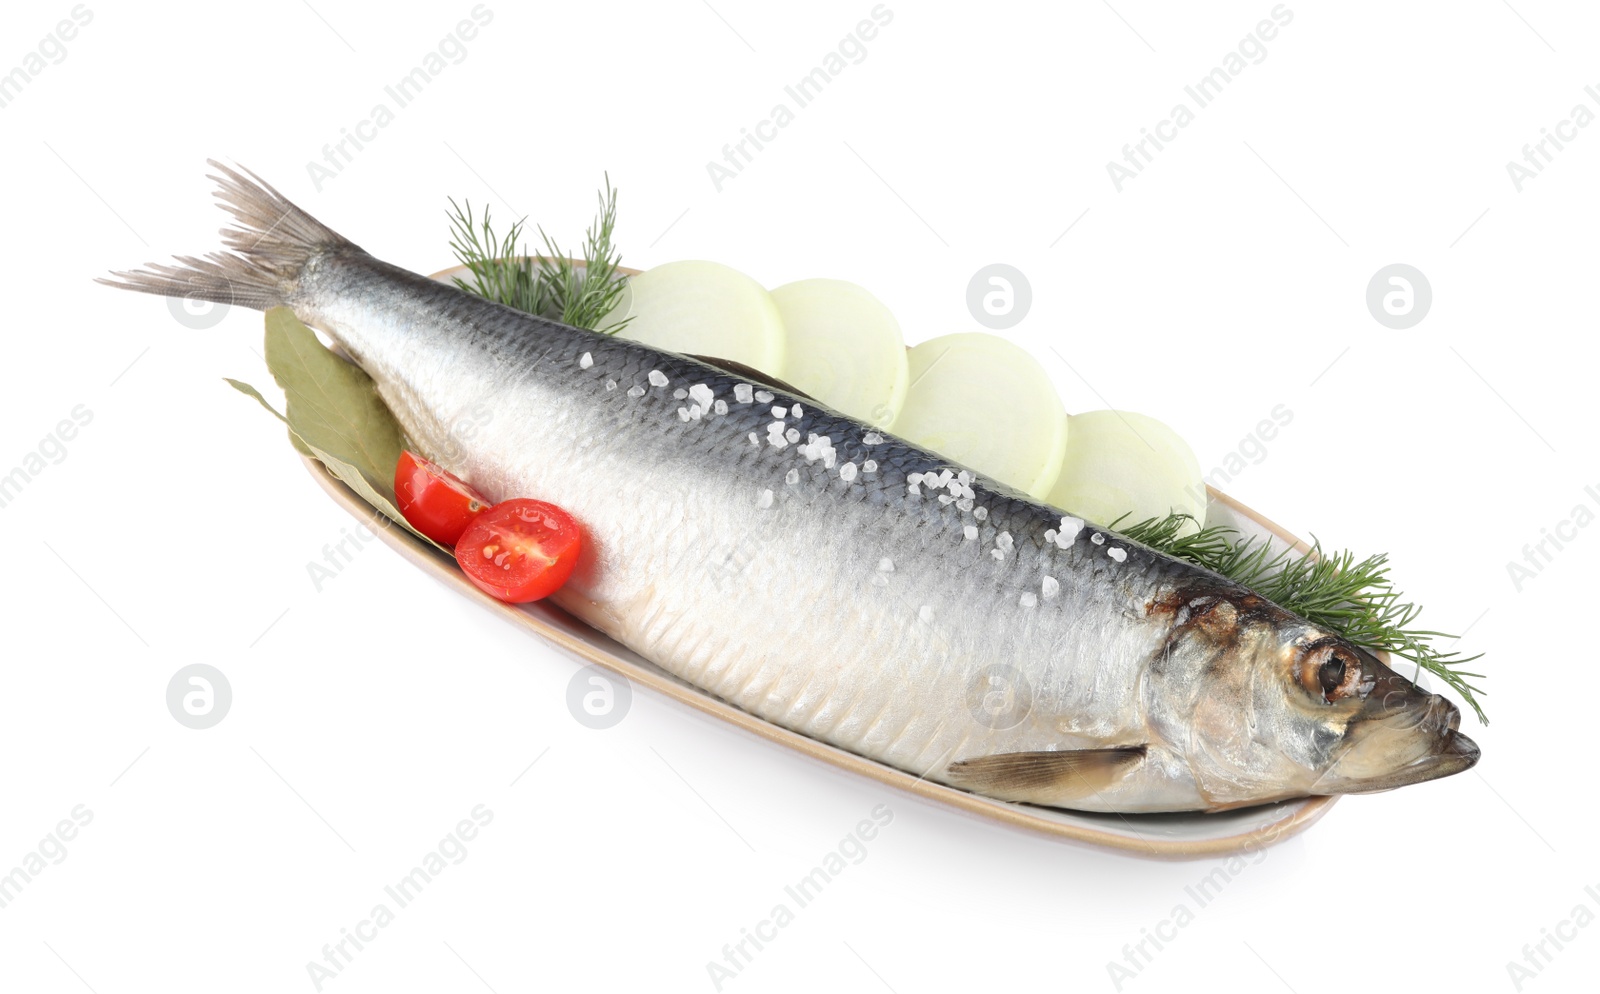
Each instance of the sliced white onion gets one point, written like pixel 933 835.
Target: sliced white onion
pixel 985 403
pixel 702 308
pixel 843 347
pixel 1121 463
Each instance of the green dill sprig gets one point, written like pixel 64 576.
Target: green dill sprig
pixel 549 285
pixel 1354 598
pixel 498 273
pixel 584 299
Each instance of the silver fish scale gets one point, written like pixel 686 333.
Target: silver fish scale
pixel 855 611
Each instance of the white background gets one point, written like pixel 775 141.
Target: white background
pixel 368 718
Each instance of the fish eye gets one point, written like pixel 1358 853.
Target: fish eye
pixel 1329 671
pixel 1331 675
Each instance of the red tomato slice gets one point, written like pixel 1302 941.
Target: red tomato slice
pixel 520 550
pixel 437 503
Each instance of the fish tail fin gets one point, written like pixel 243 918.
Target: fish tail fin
pixel 269 246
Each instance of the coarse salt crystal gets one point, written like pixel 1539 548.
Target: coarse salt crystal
pixel 779 412
pixel 702 395
pixel 847 472
pixel 611 384
pixel 886 565
pixel 720 407
pixel 964 503
pixel 1029 599
pixel 765 499
pixel 997 554
pixel 1003 540
pixel 657 378
pixel 1049 587
pixel 792 477
pixel 871 438
pixel 742 392
pixel 945 498
pixel 870 466
pixel 925 613
pixel 1097 538
pixel 1120 555
pixel 680 394
pixel 980 513
pixel 764 396
pixel 585 361
pixel 796 411
pixel 754 440
pixel 793 434
pixel 970 531
pixel 683 414
pixel 636 391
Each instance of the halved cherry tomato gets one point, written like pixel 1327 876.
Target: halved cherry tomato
pixel 437 503
pixel 520 550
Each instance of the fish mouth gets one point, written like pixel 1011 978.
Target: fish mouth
pixel 1455 754
pixel 1462 754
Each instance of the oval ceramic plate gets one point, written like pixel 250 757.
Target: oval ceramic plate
pixel 1167 836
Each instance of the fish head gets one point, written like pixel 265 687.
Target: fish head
pixel 1398 734
pixel 1265 705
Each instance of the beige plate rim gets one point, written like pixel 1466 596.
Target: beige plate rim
pixel 1236 831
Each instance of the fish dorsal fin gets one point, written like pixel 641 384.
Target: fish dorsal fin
pixel 1045 777
pixel 751 373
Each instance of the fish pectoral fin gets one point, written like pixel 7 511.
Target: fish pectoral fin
pixel 1045 777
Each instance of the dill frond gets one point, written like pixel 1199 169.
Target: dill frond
pixel 498 274
pixel 549 285
pixel 582 300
